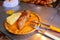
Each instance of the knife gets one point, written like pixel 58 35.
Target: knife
pixel 42 31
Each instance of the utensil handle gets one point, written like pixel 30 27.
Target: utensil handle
pixel 52 36
pixel 56 29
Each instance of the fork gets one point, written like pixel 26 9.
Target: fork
pixel 50 27
pixel 43 32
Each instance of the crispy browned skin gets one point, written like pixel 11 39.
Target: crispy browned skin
pixel 22 20
pixel 43 2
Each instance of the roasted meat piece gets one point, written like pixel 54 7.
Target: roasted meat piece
pixel 22 20
pixel 42 2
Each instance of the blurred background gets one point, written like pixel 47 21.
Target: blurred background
pixel 54 3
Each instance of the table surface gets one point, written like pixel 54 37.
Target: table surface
pixel 47 15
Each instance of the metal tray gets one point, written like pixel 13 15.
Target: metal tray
pixel 20 7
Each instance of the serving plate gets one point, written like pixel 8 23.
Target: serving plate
pixel 26 29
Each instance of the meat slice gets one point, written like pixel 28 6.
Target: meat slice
pixel 22 20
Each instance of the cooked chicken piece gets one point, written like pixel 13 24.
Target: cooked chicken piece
pixel 33 1
pixel 22 20
pixel 43 2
